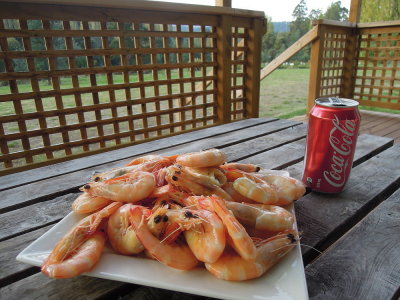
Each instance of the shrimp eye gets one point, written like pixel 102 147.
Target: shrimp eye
pixel 163 203
pixel 292 238
pixel 174 178
pixel 188 214
pixel 176 203
pixel 165 218
pixel 86 186
pixel 157 219
pixel 258 169
pixel 97 179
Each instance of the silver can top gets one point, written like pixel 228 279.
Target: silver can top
pixel 336 102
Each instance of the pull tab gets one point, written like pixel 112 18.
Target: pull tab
pixel 335 101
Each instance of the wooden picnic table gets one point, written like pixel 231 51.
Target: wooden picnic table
pixel 356 231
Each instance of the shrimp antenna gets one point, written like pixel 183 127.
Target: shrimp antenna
pixel 311 247
pixel 172 232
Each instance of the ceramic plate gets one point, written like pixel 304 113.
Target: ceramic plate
pixel 286 280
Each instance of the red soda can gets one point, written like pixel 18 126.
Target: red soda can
pixel 331 142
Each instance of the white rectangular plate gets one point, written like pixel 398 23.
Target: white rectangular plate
pixel 286 280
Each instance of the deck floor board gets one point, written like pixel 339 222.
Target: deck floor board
pixel 376 123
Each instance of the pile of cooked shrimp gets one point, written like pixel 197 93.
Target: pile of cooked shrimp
pixel 185 211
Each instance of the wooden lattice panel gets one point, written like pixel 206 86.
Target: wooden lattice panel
pixel 377 81
pixel 333 57
pixel 239 52
pixel 76 80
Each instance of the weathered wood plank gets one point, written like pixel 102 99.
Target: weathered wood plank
pixel 9 181
pixel 262 144
pixel 41 287
pixel 10 269
pixel 367 147
pixel 35 216
pixel 32 192
pixel 363 264
pixel 281 157
pixel 334 214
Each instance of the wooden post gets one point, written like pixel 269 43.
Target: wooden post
pixel 252 81
pixel 355 11
pixel 349 64
pixel 223 3
pixel 224 63
pixel 314 85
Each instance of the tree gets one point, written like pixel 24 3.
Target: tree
pixel 268 43
pixel 298 28
pixel 380 10
pixel 315 14
pixel 336 12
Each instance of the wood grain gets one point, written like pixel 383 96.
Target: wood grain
pixel 367 186
pixel 35 216
pixel 369 253
pixel 12 270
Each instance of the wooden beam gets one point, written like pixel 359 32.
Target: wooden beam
pixel 252 81
pixel 149 5
pixel 223 3
pixel 355 11
pixel 224 84
pixel 349 65
pixel 289 52
pixel 314 85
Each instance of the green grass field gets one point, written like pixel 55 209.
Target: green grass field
pixel 284 93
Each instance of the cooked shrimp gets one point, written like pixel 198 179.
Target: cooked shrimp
pixel 178 256
pixel 262 216
pixel 181 179
pixel 83 260
pixel 242 167
pixel 206 176
pixel 166 222
pixel 288 189
pixel 206 240
pixel 86 203
pixel 256 190
pixel 231 266
pixel 113 173
pixel 185 182
pixel 144 159
pixel 68 246
pixel 208 158
pixel 235 195
pixel 120 232
pixel 130 187
pixel 241 241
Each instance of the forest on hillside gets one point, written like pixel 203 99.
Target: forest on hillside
pixel 275 41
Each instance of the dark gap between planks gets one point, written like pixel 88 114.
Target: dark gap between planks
pixel 339 231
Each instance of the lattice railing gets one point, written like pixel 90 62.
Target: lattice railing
pixel 357 61
pixel 80 79
pixel 377 80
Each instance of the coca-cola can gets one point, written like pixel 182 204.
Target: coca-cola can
pixel 331 142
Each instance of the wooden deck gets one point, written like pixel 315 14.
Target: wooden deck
pixel 376 123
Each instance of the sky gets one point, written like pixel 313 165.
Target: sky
pixel 278 10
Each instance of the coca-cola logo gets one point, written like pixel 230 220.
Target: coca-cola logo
pixel 341 139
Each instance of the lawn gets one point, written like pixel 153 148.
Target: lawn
pixel 284 93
